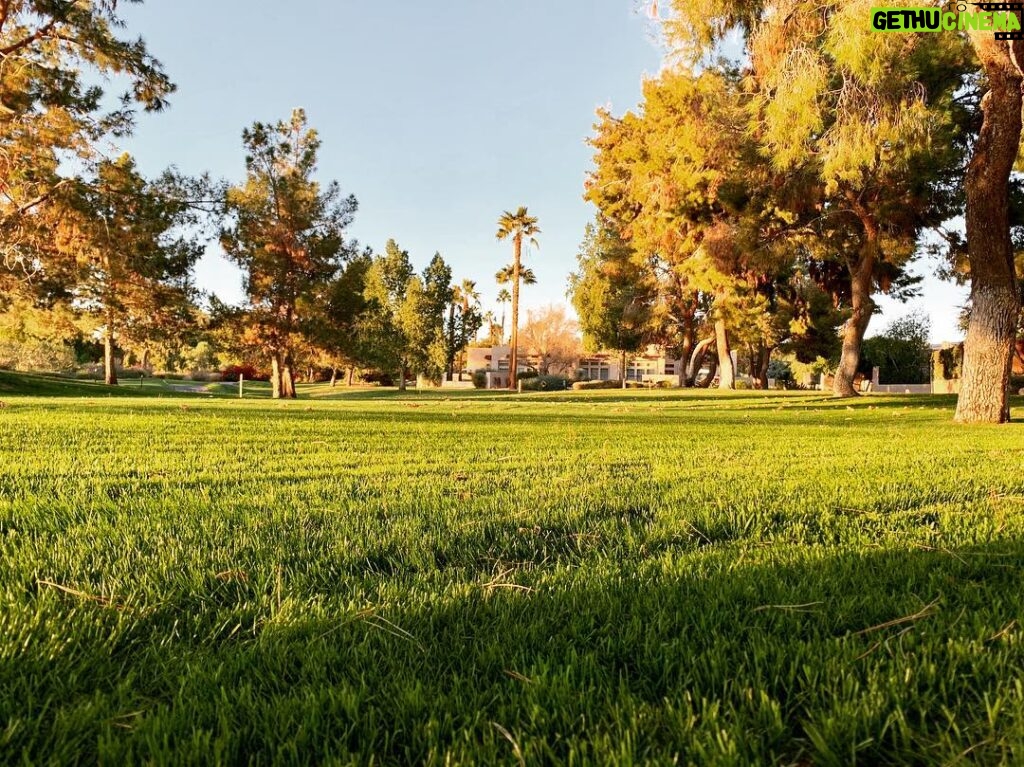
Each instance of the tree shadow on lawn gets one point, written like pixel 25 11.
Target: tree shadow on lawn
pixel 712 656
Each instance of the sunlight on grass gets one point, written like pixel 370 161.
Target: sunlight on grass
pixel 600 577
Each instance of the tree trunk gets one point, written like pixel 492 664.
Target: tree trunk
pixel 705 383
pixel 685 350
pixel 516 273
pixel 275 375
pixel 727 370
pixel 351 375
pixel 697 361
pixel 334 376
pixel 109 361
pixel 622 370
pixel 862 276
pixel 995 302
pixel 145 359
pixel 288 377
pixel 401 377
pixel 763 364
pixel 451 343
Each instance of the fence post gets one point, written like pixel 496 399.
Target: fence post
pixel 241 385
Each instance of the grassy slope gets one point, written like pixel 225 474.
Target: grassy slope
pixel 601 578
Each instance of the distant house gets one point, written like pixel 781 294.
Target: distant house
pixel 653 365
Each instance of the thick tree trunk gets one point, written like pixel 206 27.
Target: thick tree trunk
pixel 351 375
pixel 727 370
pixel 109 360
pixel 275 375
pixel 516 273
pixel 862 276
pixel 402 371
pixel 288 378
pixel 995 302
pixel 334 376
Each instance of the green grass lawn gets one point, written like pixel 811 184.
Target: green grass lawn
pixel 606 577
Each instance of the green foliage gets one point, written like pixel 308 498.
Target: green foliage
pixel 544 383
pixel 902 352
pixel 56 59
pixel 201 358
pixel 286 232
pixel 612 293
pixel 404 323
pixel 348 580
pixel 781 371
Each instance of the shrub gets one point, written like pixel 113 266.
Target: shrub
pixel 595 385
pixel 378 377
pixel 479 379
pixel 545 383
pixel 781 371
pixel 527 375
pixel 232 372
pixel 203 376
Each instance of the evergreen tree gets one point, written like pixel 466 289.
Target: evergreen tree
pixel 286 232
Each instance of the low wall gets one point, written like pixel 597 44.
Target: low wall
pixel 902 388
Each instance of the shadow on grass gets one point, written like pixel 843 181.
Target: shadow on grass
pixel 795 657
pixel 32 385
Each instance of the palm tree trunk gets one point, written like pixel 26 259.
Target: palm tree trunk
pixel 516 268
pixel 451 343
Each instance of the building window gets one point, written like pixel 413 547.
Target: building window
pixel 595 370
pixel 639 368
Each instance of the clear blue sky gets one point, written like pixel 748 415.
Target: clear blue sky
pixel 436 115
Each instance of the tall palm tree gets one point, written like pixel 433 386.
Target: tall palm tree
pixel 519 227
pixel 504 298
